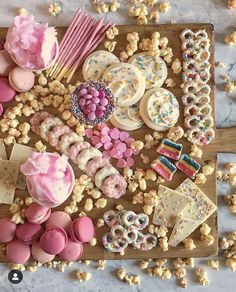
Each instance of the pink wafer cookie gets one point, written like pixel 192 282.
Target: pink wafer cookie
pixel 75 149
pixel 56 133
pixel 95 164
pixel 37 119
pixel 114 186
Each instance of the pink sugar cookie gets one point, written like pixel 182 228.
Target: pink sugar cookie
pixel 121 163
pixel 114 186
pixel 95 164
pixel 130 161
pixel 56 133
pixel 76 148
pixel 124 135
pixel 114 133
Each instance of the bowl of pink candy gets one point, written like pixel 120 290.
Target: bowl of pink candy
pixel 92 103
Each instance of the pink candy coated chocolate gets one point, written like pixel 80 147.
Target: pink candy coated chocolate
pixel 82 229
pixel 7 230
pixel 17 252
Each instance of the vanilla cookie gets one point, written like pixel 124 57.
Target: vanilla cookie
pixel 127 118
pixel 104 173
pixel 153 68
pixel 126 83
pixel 96 64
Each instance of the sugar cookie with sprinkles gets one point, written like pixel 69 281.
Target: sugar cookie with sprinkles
pixel 126 82
pixel 153 68
pixel 92 103
pixel 96 64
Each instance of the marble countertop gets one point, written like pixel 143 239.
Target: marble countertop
pixel 211 11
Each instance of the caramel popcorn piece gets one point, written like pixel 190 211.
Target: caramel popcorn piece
pixel 170 83
pixel 214 264
pixel 200 178
pixel 207 239
pixel 202 277
pixel 230 39
pixel 189 244
pixel 176 66
pixel 205 229
pixel 164 7
pixel 175 133
pixel 231 4
pixel 112 33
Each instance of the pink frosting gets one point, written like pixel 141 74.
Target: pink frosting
pixel 32 45
pixel 50 178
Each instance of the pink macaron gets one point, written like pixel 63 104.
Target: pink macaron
pixel 21 80
pixel 39 255
pixel 59 219
pixel 7 230
pixel 17 252
pixel 6 63
pixel 82 229
pixel 36 213
pixel 7 93
pixel 29 232
pixel 72 251
pixel 53 240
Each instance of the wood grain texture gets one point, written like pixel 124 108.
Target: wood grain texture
pixel 223 138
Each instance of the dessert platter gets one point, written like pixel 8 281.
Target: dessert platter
pixel 130 138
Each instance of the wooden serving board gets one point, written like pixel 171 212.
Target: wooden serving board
pixel 224 142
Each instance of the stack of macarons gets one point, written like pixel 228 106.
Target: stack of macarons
pixel 12 78
pixel 45 235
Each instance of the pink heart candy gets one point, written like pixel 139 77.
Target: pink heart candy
pixel 128 152
pixel 130 162
pixel 124 135
pixel 121 147
pixel 105 139
pixel 95 140
pixel 99 145
pixel 106 154
pixel 114 152
pixel 114 133
pixel 108 146
pixel 89 133
pixel 121 163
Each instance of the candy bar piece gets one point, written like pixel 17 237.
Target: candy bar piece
pixel 164 167
pixel 170 149
pixel 193 215
pixel 188 165
pixel 170 204
pixel 21 153
pixel 182 229
pixel 3 154
pixel 8 176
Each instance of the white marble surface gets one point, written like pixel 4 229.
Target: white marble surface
pixel 213 11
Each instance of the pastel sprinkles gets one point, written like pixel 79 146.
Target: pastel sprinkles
pixel 170 149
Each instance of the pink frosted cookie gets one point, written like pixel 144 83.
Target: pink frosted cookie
pixel 56 133
pixel 114 186
pixel 67 140
pixel 75 149
pixel 95 164
pixel 47 125
pixel 36 121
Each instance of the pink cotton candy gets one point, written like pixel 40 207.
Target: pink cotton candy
pixel 121 163
pixel 124 135
pixel 130 162
pixel 89 133
pixel 115 133
pixel 121 147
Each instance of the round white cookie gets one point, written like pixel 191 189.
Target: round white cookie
pixel 127 118
pixel 85 155
pixel 104 173
pixel 67 140
pixel 126 83
pixel 159 109
pixel 96 64
pixel 153 68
